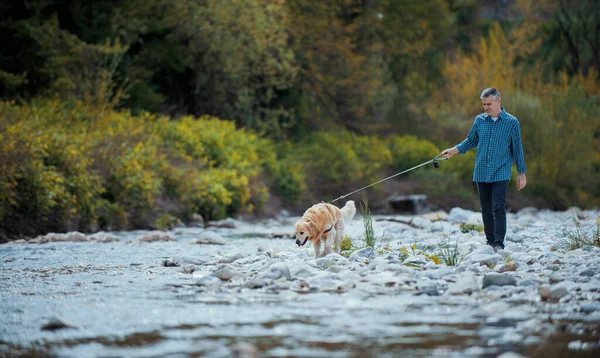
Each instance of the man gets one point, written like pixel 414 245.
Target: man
pixel 497 136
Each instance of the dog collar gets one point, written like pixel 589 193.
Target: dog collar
pixel 328 230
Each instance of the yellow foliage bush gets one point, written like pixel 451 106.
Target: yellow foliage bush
pixel 409 151
pixel 44 170
pixel 73 166
pixel 559 116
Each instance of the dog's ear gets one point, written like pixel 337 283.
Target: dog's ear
pixel 312 228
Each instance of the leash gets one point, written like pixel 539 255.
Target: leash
pixel 434 161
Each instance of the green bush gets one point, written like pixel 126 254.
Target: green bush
pixel 409 151
pixel 341 161
pixel 46 178
pixel 73 166
pixel 166 221
pixel 289 179
pixel 560 134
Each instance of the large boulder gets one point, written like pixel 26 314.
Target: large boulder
pixel 409 204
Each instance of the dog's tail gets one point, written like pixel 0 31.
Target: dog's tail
pixel 349 210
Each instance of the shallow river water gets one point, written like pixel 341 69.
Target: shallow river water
pixel 120 300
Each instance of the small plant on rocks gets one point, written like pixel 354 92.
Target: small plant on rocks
pixel 405 253
pixel 577 237
pixel 346 244
pixel 464 228
pixel 450 254
pixel 166 222
pixel 370 238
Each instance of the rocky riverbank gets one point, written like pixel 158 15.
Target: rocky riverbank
pixel 426 289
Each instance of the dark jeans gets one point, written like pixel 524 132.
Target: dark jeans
pixel 492 197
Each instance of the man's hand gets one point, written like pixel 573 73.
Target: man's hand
pixel 521 181
pixel 449 152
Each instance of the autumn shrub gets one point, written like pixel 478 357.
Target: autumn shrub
pixel 221 163
pixel 126 153
pixel 74 166
pixel 560 133
pixel 45 181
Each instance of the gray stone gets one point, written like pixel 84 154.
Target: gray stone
pixel 494 279
pixel 209 238
pixel 413 204
pixel 155 236
pixel 256 283
pixel 362 253
pixel 188 268
pixel 244 350
pixel 225 273
pixel 459 215
pixel 590 307
pixel 466 283
pixel 231 258
pixel 323 263
pixel 558 292
pixel 209 281
pixel 429 288
pixel 510 355
pixel 103 237
pixel 277 271
pixel 507 267
pixel 55 323
pixel 475 219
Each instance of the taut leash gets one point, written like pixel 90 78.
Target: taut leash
pixel 434 161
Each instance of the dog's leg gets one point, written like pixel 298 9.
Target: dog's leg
pixel 327 244
pixel 317 247
pixel 339 235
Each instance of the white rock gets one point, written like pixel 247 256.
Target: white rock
pixel 466 283
pixel 209 238
pixel 475 219
pixel 459 216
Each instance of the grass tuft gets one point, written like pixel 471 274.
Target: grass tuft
pixel 370 239
pixel 576 238
pixel 450 254
pixel 465 228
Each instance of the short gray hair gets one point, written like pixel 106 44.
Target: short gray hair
pixel 490 92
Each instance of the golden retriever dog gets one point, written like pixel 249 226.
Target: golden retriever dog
pixel 320 223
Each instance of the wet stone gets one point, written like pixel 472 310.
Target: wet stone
pixel 225 273
pixel 231 258
pixel 209 238
pixel 362 253
pixel 244 350
pixel 188 268
pixel 590 307
pixel 255 283
pixel 208 280
pixel 498 280
pixel 587 273
pixel 55 323
pixel 155 236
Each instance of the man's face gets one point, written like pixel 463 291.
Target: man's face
pixel 491 106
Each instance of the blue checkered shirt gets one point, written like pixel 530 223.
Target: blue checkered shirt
pixel 498 146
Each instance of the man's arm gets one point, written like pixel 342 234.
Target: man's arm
pixel 469 143
pixel 518 156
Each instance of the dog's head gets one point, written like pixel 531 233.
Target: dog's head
pixel 305 230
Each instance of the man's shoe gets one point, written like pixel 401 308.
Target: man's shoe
pixel 498 248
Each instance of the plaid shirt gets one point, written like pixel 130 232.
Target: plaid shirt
pixel 498 146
